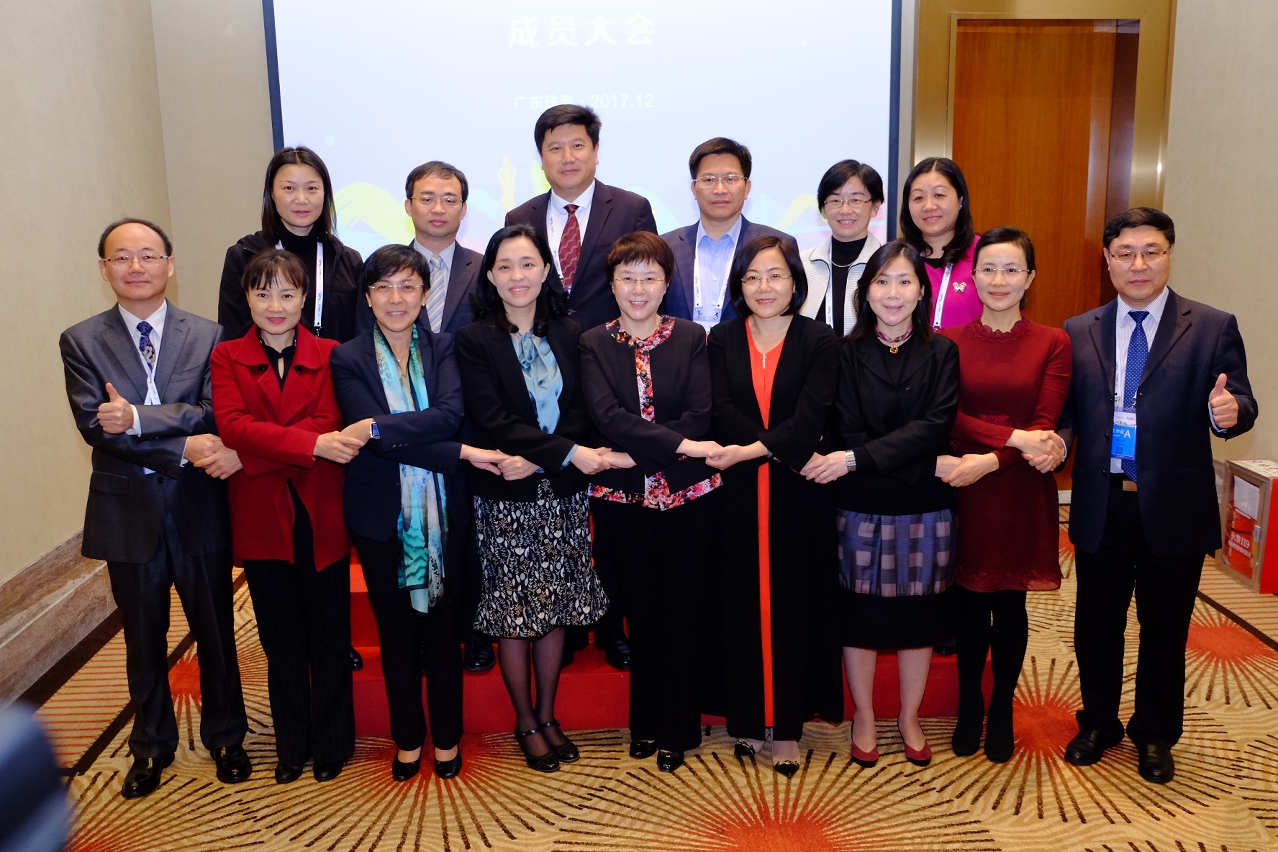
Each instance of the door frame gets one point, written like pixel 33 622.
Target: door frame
pixel 933 127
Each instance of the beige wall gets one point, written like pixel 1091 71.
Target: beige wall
pixel 1221 183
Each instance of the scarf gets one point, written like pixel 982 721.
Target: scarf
pixel 541 376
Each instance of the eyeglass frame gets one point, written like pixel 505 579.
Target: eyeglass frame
pixel 385 288
pixel 449 200
pixel 730 180
pixel 1150 255
pixel 125 261
pixel 992 272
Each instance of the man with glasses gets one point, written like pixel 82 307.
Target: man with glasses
pixel 1155 375
pixel 138 380
pixel 704 252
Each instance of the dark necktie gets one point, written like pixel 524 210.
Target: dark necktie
pixel 144 344
pixel 1137 355
pixel 570 248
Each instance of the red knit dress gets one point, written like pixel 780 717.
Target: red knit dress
pixel 1007 520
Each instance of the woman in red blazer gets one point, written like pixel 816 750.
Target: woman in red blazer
pixel 274 404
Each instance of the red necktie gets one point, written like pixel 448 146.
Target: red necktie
pixel 570 248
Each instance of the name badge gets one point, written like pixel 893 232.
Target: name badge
pixel 1123 445
pixel 706 316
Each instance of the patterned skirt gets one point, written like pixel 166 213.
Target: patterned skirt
pixel 894 571
pixel 536 561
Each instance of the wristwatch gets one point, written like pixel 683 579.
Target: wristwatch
pixel 850 458
pixel 372 430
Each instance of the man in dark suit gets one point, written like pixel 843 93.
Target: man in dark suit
pixel 138 380
pixel 1155 375
pixel 580 217
pixel 704 251
pixel 436 203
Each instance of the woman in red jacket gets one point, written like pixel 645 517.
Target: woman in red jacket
pixel 273 400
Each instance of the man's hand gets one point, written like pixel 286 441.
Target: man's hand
pixel 116 414
pixel 220 464
pixel 1224 405
pixel 199 447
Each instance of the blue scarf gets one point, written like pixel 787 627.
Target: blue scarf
pixel 541 377
pixel 423 520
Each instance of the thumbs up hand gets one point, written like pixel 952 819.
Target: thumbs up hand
pixel 1224 407
pixel 116 414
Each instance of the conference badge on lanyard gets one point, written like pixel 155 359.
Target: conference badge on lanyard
pixel 941 292
pixel 1123 445
pixel 319 283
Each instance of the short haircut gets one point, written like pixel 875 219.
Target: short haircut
pixel 558 116
pixel 637 247
pixel 1139 217
pixel 721 145
pixel 842 172
pixel 745 257
pixel 272 225
pixel 130 220
pixel 439 169
pixel 390 259
pixel 271 265
pixel 964 230
pixel 486 303
pixel 865 317
pixel 1007 235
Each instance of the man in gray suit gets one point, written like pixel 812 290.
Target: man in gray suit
pixel 139 386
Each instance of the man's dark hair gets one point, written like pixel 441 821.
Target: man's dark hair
pixel 272 224
pixel 390 259
pixel 842 172
pixel 721 145
pixel 1139 217
pixel 558 116
pixel 130 220
pixel 745 257
pixel 439 169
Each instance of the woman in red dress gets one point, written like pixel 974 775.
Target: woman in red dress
pixel 1013 384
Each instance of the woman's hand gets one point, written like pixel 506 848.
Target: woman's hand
pixel 1037 443
pixel 336 447
pixel 945 465
pixel 516 467
pixel 484 459
pixel 360 430
pixel 619 460
pixel 698 449
pixel 826 468
pixel 591 461
pixel 735 454
pixel 971 468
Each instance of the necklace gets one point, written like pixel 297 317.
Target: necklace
pixel 893 343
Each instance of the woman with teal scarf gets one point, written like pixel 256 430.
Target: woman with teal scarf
pixel 399 382
pixel 518 362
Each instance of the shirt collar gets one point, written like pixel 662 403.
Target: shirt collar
pixel 1155 307
pixel 156 319
pixel 733 234
pixel 446 255
pixel 582 202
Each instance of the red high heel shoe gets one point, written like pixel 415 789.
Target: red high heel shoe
pixel 919 756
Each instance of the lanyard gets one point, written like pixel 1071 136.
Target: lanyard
pixel 319 283
pixel 940 296
pixel 696 286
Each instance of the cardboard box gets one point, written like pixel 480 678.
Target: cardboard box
pixel 1250 513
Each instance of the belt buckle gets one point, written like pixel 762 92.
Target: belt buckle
pixel 1128 485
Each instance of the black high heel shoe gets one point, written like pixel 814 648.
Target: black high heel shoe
pixel 567 752
pixel 548 762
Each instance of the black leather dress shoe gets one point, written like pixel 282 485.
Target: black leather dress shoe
pixel 446 769
pixel 948 648
pixel 327 771
pixel 617 654
pixel 357 662
pixel 144 776
pixel 479 657
pixel 643 749
pixel 285 774
pixel 402 771
pixel 233 765
pixel 669 761
pixel 1087 748
pixel 1155 763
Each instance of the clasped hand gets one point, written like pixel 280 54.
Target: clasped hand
pixel 1043 449
pixel 209 454
pixel 345 445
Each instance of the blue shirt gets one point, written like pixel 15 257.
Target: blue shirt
pixel 713 259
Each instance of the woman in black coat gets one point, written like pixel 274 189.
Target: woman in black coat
pixel 519 368
pixel 299 216
pixel 646 379
pixel 898 397
pixel 775 375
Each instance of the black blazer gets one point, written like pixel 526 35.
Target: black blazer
pixel 424 439
pixel 126 507
pixel 803 391
pixel 683 398
pixel 614 213
pixel 897 428
pixel 1195 343
pixel 462 276
pixel 502 414
pixel 342 299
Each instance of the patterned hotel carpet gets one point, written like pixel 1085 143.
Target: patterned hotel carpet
pixel 1224 798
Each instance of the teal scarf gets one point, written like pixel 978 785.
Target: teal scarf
pixel 541 377
pixel 423 522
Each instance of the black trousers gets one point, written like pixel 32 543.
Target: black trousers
pixel 659 558
pixel 141 591
pixel 409 638
pixel 1165 589
pixel 304 622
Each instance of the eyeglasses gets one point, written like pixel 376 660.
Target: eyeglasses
pixel 756 280
pixel 148 261
pixel 449 201
pixel 385 288
pixel 729 180
pixel 856 202
pixel 628 281
pixel 1011 273
pixel 1151 255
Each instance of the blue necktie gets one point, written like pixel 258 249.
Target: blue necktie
pixel 144 343
pixel 1137 355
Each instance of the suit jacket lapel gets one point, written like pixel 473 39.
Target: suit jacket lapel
pixel 870 359
pixel 171 346
pixel 1173 324
pixel 118 341
pixel 743 378
pixel 459 273
pixel 249 352
pixel 600 207
pixel 1103 331
pixel 685 255
pixel 370 368
pixel 512 375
